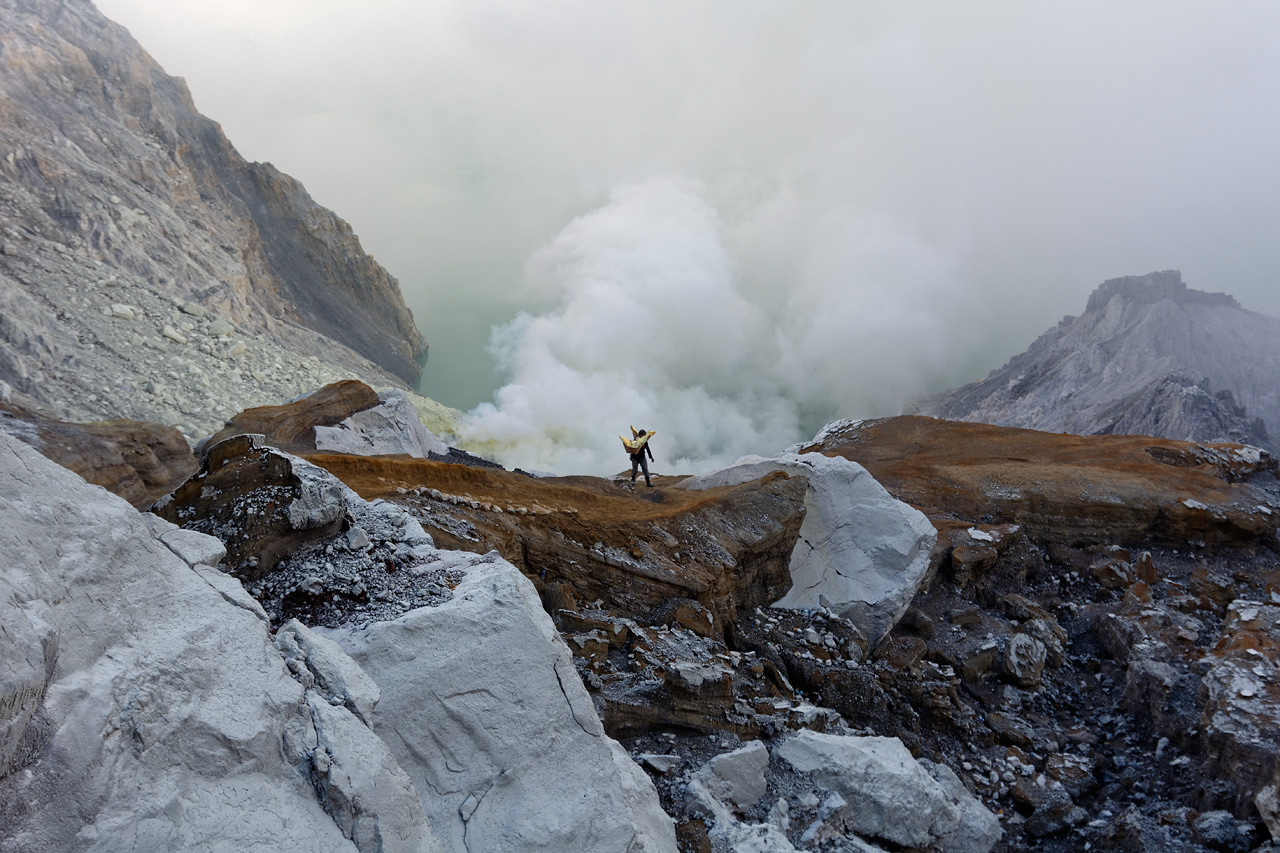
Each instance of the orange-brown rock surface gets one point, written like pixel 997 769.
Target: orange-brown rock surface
pixel 1066 489
pixel 136 460
pixel 291 426
pixel 726 549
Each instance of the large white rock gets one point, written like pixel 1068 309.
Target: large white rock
pixel 482 706
pixel 737 778
pixel 391 427
pixel 886 793
pixel 161 721
pixel 861 552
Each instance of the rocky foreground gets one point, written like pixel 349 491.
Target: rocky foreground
pixel 910 635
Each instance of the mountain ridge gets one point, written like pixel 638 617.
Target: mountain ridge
pixel 125 212
pixel 1149 356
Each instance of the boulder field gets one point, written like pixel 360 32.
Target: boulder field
pixel 907 634
pixel 145 704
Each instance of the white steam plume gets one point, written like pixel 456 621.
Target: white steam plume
pixel 652 325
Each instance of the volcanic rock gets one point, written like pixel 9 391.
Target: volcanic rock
pixel 392 427
pixel 886 794
pixel 164 709
pixel 138 461
pixel 1067 489
pixel 860 552
pixel 263 504
pixel 134 234
pixel 736 778
pixel 1241 695
pixel 1149 356
pixel 493 773
pixel 342 417
pixel 725 549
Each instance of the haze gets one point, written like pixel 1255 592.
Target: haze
pixel 733 221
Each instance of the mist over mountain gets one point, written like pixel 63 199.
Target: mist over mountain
pixel 146 268
pixel 1149 356
pixel 891 178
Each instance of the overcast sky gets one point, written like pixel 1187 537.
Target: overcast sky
pixel 737 219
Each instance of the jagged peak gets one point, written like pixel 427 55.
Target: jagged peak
pixel 1154 287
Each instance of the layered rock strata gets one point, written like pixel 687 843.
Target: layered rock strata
pixel 139 461
pixel 727 549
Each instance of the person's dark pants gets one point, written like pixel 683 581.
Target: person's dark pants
pixel 638 460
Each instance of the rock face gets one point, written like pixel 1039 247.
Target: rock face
pixel 143 697
pixel 143 703
pixel 861 552
pixel 1149 356
pixel 136 460
pixel 135 234
pixel 537 774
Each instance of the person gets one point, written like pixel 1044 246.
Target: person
pixel 636 449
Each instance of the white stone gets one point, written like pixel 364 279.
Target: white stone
pixel 978 830
pixel 335 674
pixel 194 548
pixel 369 795
pixel 167 706
pixel 391 427
pixel 231 590
pixel 482 706
pixel 1267 802
pixel 26 667
pixel 861 552
pixel 661 762
pixel 737 778
pixel 888 795
pixel 123 312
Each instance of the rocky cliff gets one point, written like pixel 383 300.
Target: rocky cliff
pixel 140 255
pixel 1149 356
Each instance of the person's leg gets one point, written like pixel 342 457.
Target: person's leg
pixel 644 463
pixel 635 463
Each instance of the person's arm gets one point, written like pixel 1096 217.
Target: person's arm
pixel 650 450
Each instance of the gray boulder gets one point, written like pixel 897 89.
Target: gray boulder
pixel 391 427
pixel 482 706
pixel 737 777
pixel 884 793
pixel 164 708
pixel 861 552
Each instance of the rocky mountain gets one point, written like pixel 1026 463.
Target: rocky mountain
pixel 146 269
pixel 1149 356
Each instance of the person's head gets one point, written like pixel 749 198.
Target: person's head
pixel 642 432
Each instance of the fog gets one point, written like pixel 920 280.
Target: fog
pixel 732 221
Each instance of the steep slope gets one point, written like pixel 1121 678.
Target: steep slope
pixel 1149 356
pixel 133 234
